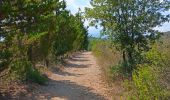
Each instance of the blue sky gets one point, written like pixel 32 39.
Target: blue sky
pixel 73 6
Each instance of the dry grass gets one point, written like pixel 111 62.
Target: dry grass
pixel 107 58
pixel 165 49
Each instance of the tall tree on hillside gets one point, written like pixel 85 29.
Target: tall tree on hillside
pixel 130 24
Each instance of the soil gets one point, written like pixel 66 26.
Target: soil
pixel 81 79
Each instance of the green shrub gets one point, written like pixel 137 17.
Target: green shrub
pixel 22 70
pixel 147 84
pixel 144 85
pixel 19 68
pixel 34 75
pixel 117 71
pixel 146 79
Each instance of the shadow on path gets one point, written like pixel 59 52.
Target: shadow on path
pixel 73 65
pixel 67 90
pixel 61 87
pixel 64 73
pixel 77 59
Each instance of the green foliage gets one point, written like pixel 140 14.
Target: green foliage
pixel 33 30
pixel 4 59
pixel 130 24
pixel 19 68
pixel 71 34
pixel 146 80
pixel 23 25
pixel 22 70
pixel 157 58
pixel 145 85
pixel 118 71
pixel 150 79
pixel 34 75
pixel 96 44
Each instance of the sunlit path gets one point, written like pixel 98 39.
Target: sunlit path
pixel 80 80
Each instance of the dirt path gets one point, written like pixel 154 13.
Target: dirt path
pixel 80 80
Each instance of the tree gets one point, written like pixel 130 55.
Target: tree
pixel 33 30
pixel 71 34
pixel 130 24
pixel 27 30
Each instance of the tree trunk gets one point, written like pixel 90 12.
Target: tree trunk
pixel 30 56
pixel 46 62
pixel 124 61
pixel 130 61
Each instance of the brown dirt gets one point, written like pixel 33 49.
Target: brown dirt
pixel 80 80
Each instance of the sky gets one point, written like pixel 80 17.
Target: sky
pixel 73 6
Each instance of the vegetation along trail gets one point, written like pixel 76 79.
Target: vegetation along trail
pixel 80 80
pixel 41 44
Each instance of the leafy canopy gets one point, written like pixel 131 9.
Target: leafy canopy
pixel 130 24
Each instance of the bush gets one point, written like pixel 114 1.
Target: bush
pixel 33 75
pixel 146 79
pixel 146 84
pixel 22 70
pixel 118 71
pixel 19 68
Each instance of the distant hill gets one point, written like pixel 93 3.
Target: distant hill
pixel 166 35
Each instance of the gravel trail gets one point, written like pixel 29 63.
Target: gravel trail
pixel 80 80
